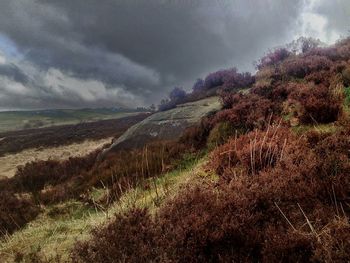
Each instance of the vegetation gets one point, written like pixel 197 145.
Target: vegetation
pixel 16 141
pixel 217 82
pixel 274 186
pixel 278 196
pixel 18 120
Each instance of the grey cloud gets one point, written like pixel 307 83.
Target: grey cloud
pixel 13 72
pixel 139 48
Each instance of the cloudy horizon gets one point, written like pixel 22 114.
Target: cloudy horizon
pixel 88 53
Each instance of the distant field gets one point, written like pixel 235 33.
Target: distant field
pixel 19 120
pixel 17 141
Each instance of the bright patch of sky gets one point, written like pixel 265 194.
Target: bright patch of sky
pixel 313 24
pixel 7 48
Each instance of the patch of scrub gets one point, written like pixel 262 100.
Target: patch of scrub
pixel 56 230
pixel 9 162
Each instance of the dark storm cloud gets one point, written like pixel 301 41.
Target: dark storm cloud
pixel 13 72
pixel 89 52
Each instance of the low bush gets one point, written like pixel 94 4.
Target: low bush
pixel 346 76
pixel 251 153
pixel 316 103
pixel 35 176
pixel 300 66
pixel 196 136
pixel 273 58
pixel 129 238
pixel 54 181
pixel 220 134
pixel 291 210
pixel 15 212
pixel 248 112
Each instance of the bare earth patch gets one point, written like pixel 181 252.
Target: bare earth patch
pixel 9 162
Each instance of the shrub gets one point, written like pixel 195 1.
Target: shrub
pixel 299 67
pixel 34 176
pixel 196 136
pixel 220 134
pixel 230 79
pixel 236 81
pixel 15 212
pixel 330 52
pixel 318 104
pixel 166 104
pixel 177 94
pixel 248 112
pixel 273 58
pixel 198 86
pixel 251 153
pixel 129 238
pixel 150 161
pixel 228 99
pixel 55 181
pixel 215 79
pixel 346 76
pixel 291 208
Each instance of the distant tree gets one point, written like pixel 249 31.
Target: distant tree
pixel 177 94
pixel 303 45
pixel 198 86
pixel 273 57
pixel 166 104
pixel 215 79
pixel 234 80
pixel 229 79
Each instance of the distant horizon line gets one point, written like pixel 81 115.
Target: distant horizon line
pixel 83 108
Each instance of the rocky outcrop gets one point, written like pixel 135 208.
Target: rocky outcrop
pixel 167 125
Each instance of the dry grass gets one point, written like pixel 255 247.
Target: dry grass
pixel 9 162
pixel 56 230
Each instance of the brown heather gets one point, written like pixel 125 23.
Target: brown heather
pixel 15 212
pixel 289 206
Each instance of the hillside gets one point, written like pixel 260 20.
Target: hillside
pixel 17 141
pixel 258 173
pixel 18 120
pixel 166 125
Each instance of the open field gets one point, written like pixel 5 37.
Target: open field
pixel 18 120
pixel 9 162
pixel 17 141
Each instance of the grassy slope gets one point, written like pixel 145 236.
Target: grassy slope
pixel 55 231
pixel 16 120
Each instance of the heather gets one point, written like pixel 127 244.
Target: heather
pixel 280 188
pixel 277 199
pixel 272 185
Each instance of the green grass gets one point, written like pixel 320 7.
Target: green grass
pixel 56 230
pixel 347 96
pixel 17 120
pixel 321 128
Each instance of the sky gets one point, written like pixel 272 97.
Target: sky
pixel 129 53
